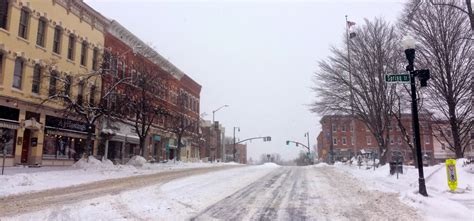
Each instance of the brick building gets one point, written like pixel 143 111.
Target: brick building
pixel 212 134
pixel 169 89
pixel 349 137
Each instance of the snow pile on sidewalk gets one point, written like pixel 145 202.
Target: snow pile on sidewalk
pixel 441 204
pixel 93 163
pixel 137 161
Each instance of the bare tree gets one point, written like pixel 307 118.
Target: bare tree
pixel 89 103
pixel 455 4
pixel 139 99
pixel 181 123
pixel 446 49
pixel 374 53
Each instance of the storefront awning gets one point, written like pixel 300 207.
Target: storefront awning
pixel 126 138
pixel 9 124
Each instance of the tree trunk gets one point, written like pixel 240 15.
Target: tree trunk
pixel 142 146
pixel 455 131
pixel 88 150
pixel 178 148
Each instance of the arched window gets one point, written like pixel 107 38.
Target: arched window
pixel 52 83
pixel 71 47
pixel 84 48
pixel 41 35
pixel 95 59
pixel 35 87
pixel 18 73
pixel 3 13
pixel 24 23
pixel 58 33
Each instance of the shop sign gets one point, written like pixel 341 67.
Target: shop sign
pixel 66 124
pixel 156 138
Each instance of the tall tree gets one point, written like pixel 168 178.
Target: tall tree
pixel 446 48
pixel 466 9
pixel 81 95
pixel 181 124
pixel 140 98
pixel 374 52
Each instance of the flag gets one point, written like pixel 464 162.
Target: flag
pixel 350 23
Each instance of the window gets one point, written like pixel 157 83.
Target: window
pixel 352 140
pixel 369 140
pixel 92 95
pixel 352 127
pixel 427 139
pixel 1 67
pixel 343 128
pixel 95 57
pixel 24 20
pixel 80 93
pixel 10 144
pixel 70 47
pixel 344 140
pixel 35 88
pixel 3 14
pixel 52 83
pixel 443 146
pixel 18 73
pixel 334 128
pixel 334 140
pixel 41 35
pixel 67 85
pixel 57 40
pixel 84 53
pixel 399 140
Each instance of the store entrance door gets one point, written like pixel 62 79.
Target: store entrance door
pixel 25 146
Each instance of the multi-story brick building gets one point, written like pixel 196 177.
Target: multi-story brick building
pixel 55 38
pixel 169 89
pixel 348 137
pixel 442 138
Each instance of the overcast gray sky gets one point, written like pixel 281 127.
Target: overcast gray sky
pixel 256 56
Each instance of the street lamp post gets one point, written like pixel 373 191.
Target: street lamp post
pixel 233 150
pixel 214 111
pixel 408 44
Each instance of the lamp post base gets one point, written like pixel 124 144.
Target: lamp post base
pixel 422 186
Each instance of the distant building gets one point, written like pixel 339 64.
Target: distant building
pixel 349 137
pixel 213 138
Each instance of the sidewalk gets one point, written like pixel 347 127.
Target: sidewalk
pixel 25 169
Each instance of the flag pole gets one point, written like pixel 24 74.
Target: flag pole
pixel 353 138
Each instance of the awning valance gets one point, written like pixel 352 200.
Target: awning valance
pixel 9 124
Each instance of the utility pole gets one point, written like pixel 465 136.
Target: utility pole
pixel 233 150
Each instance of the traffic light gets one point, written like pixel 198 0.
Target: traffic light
pixel 287 142
pixel 269 138
pixel 424 76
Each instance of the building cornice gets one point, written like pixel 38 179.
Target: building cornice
pixel 120 32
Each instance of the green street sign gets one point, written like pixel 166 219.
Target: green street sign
pixel 397 78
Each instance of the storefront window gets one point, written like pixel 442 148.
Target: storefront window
pixel 7 141
pixel 61 147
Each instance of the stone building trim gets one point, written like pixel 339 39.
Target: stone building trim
pixel 120 32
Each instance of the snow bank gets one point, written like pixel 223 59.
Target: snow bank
pixel 442 204
pixel 92 163
pixel 137 161
pixel 270 165
pixel 320 165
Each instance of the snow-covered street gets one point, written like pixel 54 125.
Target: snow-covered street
pixel 264 192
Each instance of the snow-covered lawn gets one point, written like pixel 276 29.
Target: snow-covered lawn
pixel 441 204
pixel 176 200
pixel 24 180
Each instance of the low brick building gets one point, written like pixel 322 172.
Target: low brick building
pixel 348 137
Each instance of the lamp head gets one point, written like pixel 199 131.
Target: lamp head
pixel 408 42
